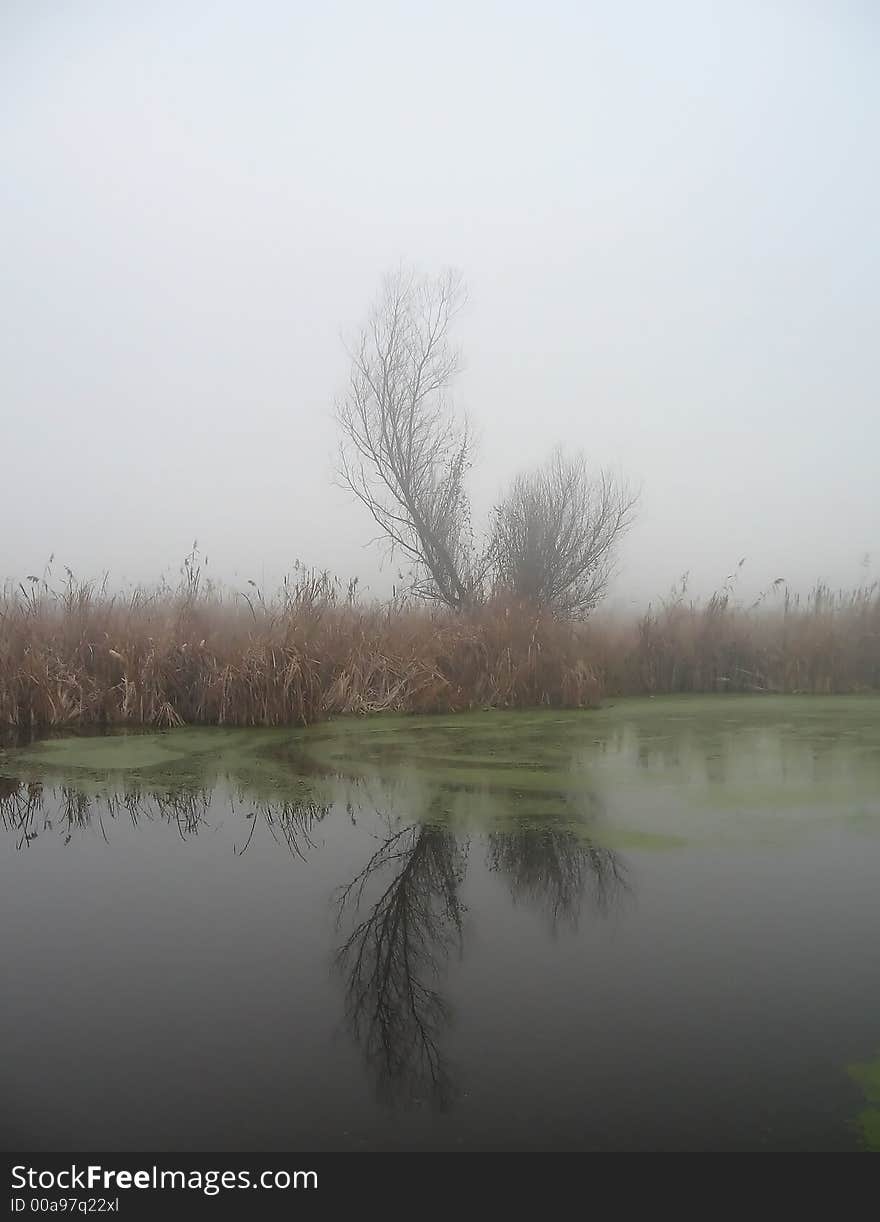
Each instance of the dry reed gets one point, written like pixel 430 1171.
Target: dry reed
pixel 194 654
pixel 77 655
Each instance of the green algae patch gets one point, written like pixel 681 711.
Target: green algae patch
pixel 864 821
pixel 702 770
pixel 638 840
pixel 182 758
pixel 868 1120
pixel 638 773
pixel 115 752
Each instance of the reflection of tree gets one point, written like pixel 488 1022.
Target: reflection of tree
pixel 395 955
pixel 555 868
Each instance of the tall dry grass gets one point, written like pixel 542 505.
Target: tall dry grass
pixel 74 654
pixel 78 655
pixel 827 642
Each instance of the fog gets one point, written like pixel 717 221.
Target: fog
pixel 668 217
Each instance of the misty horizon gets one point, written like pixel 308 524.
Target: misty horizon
pixel 667 222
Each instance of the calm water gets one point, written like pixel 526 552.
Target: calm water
pixel 651 927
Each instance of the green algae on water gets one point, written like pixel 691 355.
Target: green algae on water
pixel 868 1120
pixel 642 774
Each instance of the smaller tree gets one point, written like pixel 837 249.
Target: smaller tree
pixel 556 532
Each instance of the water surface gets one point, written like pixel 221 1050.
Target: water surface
pixel 648 927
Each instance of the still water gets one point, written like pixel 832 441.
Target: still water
pixel 651 927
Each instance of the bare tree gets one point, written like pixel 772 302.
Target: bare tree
pixel 404 453
pixel 556 532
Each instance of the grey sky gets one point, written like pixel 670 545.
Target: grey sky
pixel 668 216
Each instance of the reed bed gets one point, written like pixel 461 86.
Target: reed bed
pixel 75 654
pixel 80 656
pixel 827 642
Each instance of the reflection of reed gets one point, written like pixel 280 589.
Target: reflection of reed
pixel 20 807
pixel 555 869
pixel 26 809
pixel 294 821
pixel 395 955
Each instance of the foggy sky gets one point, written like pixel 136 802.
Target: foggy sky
pixel 668 216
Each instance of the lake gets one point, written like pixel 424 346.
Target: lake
pixel 649 927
